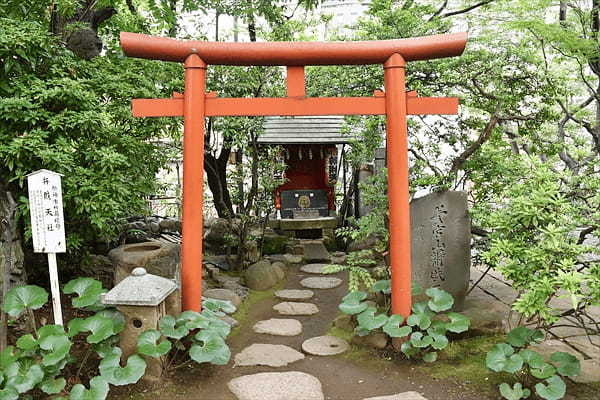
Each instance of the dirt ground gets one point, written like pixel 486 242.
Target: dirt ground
pixel 353 376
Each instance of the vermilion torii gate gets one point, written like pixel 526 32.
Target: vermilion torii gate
pixel 195 104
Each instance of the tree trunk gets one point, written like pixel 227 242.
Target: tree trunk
pixel 216 174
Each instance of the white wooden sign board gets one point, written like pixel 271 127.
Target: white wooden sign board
pixel 46 209
pixel 47 225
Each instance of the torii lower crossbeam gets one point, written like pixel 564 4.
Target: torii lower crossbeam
pixel 194 105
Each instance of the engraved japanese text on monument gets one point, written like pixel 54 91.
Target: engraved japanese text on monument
pixel 438 246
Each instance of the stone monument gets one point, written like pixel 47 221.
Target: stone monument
pixel 441 243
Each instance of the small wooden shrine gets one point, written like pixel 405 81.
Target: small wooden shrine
pixel 310 152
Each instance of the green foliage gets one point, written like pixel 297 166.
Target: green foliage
pixel 426 327
pixel 89 291
pixel 358 275
pixel 21 298
pixel 515 358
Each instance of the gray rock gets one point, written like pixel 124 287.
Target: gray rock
pixel 325 346
pixel 278 327
pixel 314 268
pixel 487 315
pixel 376 340
pixel 294 294
pixel 441 243
pixel 262 275
pixel 154 227
pixel 590 371
pixel 277 386
pixel 399 396
pixel 279 268
pixel 365 244
pixel 293 308
pixel 157 258
pixel 316 252
pixel 224 294
pixel 170 225
pixel 321 282
pixel 271 355
pixel 344 322
pixel 548 347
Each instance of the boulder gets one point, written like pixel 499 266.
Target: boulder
pixel 315 252
pixel 364 244
pixel 215 234
pixel 262 275
pixel 376 340
pixel 344 322
pixel 157 258
pixel 170 225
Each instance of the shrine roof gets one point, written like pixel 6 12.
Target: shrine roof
pixel 304 130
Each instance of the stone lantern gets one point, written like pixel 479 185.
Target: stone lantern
pixel 143 299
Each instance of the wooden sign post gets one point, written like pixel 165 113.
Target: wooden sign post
pixel 47 225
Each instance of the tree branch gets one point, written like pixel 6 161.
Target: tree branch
pixel 466 10
pixel 459 161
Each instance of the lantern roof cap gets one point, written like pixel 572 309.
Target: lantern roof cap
pixel 140 289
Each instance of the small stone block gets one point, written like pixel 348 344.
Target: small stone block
pixel 279 327
pixel 314 268
pixel 321 282
pixel 294 294
pixel 325 346
pixel 292 308
pixel 271 355
pixel 277 386
pixel 399 396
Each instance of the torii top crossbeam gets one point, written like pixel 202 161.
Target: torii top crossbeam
pixel 194 105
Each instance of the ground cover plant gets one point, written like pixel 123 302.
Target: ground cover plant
pixel 533 372
pixel 37 362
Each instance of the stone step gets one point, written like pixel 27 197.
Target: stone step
pixel 292 308
pixel 294 294
pixel 399 396
pixel 271 355
pixel 321 282
pixel 314 268
pixel 278 327
pixel 277 386
pixel 325 346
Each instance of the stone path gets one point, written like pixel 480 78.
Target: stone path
pixel 293 385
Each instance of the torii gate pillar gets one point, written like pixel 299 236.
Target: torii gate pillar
pixel 396 103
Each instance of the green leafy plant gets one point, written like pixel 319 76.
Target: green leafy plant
pixel 426 328
pixel 37 361
pixel 514 357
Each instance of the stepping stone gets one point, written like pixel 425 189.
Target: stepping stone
pixel 400 396
pixel 271 355
pixel 314 268
pixel 291 308
pixel 294 294
pixel 279 327
pixel 325 346
pixel 316 252
pixel 277 386
pixel 223 294
pixel 321 282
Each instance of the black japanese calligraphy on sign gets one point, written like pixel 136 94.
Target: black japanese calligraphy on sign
pixel 438 247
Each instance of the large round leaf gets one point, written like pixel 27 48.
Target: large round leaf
pixel 521 336
pixel 215 305
pixel 56 348
pixel 554 389
pixel 532 358
pixel 87 289
pixel 421 320
pixel 497 357
pixel 117 318
pixel 439 300
pixel 393 328
pixel 50 330
pixel 353 303
pixel 101 328
pixel 23 377
pixel 458 323
pixel 147 344
pixel 98 390
pixel 27 342
pixel 169 327
pixel 408 350
pixel 430 357
pixel 543 371
pixel 418 340
pixel 7 357
pixel 193 320
pixel 566 364
pixel 515 393
pixel 53 386
pixel 210 348
pixel 440 341
pixel 383 286
pixel 9 393
pixel 369 321
pixel 113 373
pixel 19 298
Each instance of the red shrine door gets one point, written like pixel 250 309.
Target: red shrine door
pixel 195 104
